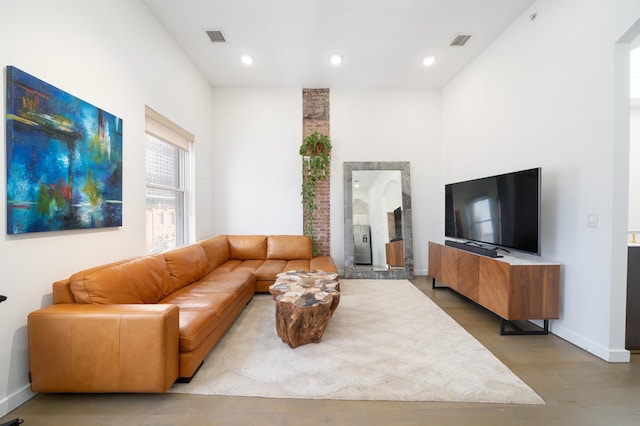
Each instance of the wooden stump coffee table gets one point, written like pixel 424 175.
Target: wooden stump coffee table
pixel 305 302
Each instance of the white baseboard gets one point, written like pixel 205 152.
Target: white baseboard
pixel 607 354
pixel 15 400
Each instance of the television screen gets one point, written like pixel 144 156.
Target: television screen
pixel 503 210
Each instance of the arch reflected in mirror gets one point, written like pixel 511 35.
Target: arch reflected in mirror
pixel 377 217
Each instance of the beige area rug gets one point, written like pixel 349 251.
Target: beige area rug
pixel 386 341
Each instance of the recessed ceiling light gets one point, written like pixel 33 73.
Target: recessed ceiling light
pixel 246 59
pixel 428 60
pixel 336 59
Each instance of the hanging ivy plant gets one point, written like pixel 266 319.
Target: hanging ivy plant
pixel 315 150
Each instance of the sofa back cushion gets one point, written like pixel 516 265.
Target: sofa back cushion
pixel 186 265
pixel 217 251
pixel 62 292
pixel 289 247
pixel 247 247
pixel 139 280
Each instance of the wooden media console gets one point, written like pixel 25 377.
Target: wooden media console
pixel 514 287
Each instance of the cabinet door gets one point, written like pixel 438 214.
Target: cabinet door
pixel 468 265
pixel 535 292
pixel 395 253
pixel 495 286
pixel 450 267
pixel 435 261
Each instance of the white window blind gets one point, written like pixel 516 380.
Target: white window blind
pixel 166 130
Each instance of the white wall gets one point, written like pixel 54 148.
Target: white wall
pixel 115 56
pixel 543 95
pixel 389 125
pixel 256 165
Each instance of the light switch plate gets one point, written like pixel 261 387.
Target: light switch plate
pixel 592 219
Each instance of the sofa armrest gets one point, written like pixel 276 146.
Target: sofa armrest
pixel 323 263
pixel 103 348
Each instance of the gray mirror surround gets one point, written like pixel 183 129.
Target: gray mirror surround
pixel 407 231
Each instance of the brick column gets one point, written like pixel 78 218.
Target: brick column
pixel 315 117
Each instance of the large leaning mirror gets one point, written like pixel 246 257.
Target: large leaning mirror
pixel 377 220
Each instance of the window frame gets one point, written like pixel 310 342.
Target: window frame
pixel 164 130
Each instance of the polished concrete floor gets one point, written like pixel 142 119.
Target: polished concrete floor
pixel 578 388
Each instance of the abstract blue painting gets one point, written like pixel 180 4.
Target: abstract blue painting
pixel 64 159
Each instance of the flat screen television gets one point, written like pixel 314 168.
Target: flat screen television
pixel 501 210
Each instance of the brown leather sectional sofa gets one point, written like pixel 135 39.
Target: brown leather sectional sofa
pixel 139 324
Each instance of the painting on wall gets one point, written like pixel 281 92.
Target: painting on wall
pixel 64 159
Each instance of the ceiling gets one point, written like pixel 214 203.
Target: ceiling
pixel 382 42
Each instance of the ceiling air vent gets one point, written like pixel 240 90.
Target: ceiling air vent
pixel 460 39
pixel 216 36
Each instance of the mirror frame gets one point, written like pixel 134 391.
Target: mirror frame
pixel 407 228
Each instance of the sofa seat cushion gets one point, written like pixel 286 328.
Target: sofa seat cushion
pixel 249 266
pixel 139 280
pixel 229 265
pixel 195 326
pixel 204 304
pixel 297 265
pixel 269 269
pixel 200 314
pixel 189 299
pixel 322 263
pixel 230 282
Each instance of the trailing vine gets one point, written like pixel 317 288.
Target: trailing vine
pixel 316 150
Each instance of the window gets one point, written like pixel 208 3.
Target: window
pixel 482 223
pixel 168 193
pixel 484 217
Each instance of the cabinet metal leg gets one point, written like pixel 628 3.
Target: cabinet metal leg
pixel 434 286
pixel 518 331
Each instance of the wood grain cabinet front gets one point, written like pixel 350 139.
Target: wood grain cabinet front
pixel 514 287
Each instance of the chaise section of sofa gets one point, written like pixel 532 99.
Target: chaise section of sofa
pixel 139 324
pixel 267 256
